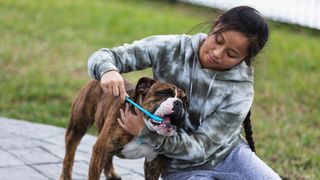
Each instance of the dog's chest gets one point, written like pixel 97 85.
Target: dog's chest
pixel 135 150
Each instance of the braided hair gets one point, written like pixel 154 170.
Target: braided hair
pixel 248 131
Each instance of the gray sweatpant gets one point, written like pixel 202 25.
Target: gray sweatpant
pixel 240 164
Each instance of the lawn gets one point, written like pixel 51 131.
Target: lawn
pixel 45 46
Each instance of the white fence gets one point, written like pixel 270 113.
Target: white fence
pixel 302 12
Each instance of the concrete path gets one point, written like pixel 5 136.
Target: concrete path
pixel 30 151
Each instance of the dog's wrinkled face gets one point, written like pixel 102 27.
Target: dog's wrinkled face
pixel 166 101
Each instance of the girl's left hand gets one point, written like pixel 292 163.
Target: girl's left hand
pixel 131 123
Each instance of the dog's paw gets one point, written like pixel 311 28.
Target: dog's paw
pixel 113 176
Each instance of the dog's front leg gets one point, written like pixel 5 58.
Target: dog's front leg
pixel 152 169
pixel 102 153
pixel 109 171
pixel 98 159
pixel 109 143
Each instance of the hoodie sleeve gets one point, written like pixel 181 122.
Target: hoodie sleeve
pixel 136 56
pixel 215 132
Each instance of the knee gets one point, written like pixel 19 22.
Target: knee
pixel 260 171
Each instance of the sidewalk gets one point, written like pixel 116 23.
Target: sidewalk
pixel 30 151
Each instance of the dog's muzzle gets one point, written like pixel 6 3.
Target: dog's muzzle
pixel 172 113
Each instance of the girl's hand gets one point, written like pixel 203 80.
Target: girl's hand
pixel 131 123
pixel 112 83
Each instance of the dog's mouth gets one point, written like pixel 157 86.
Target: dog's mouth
pixel 165 128
pixel 169 117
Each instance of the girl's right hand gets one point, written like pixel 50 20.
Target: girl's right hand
pixel 112 83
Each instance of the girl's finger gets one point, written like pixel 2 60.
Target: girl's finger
pixel 115 90
pixel 109 89
pixel 127 110
pixel 122 92
pixel 139 113
pixel 122 114
pixel 105 89
pixel 121 123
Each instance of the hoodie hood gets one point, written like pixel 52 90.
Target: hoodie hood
pixel 241 72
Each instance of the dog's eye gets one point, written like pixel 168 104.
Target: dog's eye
pixel 165 93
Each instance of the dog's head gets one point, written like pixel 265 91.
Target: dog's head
pixel 163 100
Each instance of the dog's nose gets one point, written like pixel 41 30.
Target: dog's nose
pixel 177 105
pixel 178 111
pixel 178 108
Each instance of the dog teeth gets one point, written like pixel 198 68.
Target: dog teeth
pixel 166 119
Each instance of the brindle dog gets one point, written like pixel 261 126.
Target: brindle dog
pixel 92 105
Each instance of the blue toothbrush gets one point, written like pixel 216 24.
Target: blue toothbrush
pixel 155 118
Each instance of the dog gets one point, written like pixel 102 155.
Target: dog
pixel 93 105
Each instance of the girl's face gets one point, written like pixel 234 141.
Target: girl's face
pixel 224 50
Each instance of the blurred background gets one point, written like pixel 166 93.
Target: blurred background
pixel 44 47
pixel 301 12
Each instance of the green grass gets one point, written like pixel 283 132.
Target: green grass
pixel 286 106
pixel 45 47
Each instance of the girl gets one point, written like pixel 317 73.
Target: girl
pixel 215 71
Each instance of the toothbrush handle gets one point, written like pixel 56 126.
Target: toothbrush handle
pixel 156 118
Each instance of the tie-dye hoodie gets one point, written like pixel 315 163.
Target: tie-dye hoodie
pixel 218 100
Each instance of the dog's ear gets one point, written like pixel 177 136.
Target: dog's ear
pixel 143 85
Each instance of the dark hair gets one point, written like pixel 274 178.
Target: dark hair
pixel 247 21
pixel 248 131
